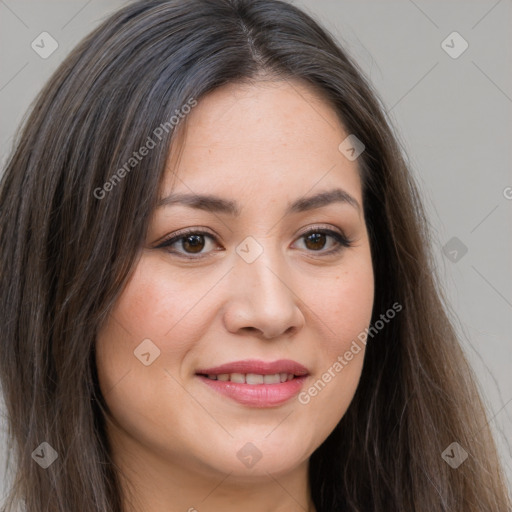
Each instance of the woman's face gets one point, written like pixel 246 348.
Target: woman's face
pixel 263 288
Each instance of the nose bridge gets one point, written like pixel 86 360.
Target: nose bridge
pixel 268 272
pixel 261 293
pixel 261 269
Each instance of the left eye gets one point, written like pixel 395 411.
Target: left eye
pixel 316 240
pixel 193 242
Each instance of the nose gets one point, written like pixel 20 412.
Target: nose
pixel 262 299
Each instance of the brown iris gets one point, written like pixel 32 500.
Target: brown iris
pixel 317 241
pixel 193 243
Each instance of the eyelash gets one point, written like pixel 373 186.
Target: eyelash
pixel 341 240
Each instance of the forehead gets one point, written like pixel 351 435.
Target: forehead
pixel 259 139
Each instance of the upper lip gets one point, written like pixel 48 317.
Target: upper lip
pixel 257 367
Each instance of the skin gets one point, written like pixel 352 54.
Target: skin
pixel 173 438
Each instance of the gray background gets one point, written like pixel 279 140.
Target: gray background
pixel 452 116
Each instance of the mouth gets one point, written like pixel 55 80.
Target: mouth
pixel 252 379
pixel 256 383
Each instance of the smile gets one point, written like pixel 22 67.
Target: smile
pixel 256 383
pixel 253 378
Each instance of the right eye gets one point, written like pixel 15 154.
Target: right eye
pixel 190 241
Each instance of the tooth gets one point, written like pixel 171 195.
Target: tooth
pixel 290 376
pixel 252 378
pixel 213 377
pixel 223 376
pixel 283 377
pixel 238 378
pixel 271 379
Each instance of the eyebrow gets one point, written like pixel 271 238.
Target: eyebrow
pixel 217 204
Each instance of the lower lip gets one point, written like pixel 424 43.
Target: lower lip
pixel 257 395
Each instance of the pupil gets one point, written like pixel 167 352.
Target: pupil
pixel 316 238
pixel 196 245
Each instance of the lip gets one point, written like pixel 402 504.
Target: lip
pixel 259 367
pixel 257 395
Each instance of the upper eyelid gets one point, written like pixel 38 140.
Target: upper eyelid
pixel 203 231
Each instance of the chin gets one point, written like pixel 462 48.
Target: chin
pixel 257 456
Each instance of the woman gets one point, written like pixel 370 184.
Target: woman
pixel 216 283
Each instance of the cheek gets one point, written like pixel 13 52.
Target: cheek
pixel 150 307
pixel 171 309
pixel 156 300
pixel 346 306
pixel 345 310
pixel 160 303
pixel 158 307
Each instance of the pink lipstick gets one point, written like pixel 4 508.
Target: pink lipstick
pixel 256 383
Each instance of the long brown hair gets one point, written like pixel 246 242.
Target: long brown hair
pixel 66 254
